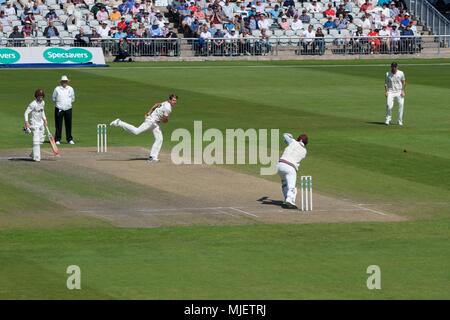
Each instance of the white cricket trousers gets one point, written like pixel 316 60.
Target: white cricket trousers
pixel 288 181
pixel 147 125
pixel 38 139
pixel 390 104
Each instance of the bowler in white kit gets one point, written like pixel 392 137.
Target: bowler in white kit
pixel 35 121
pixel 394 89
pixel 288 166
pixel 158 113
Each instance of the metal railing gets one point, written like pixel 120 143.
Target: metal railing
pixel 429 16
pixel 225 47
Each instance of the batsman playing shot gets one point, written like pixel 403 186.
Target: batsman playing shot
pixel 157 114
pixel 35 122
pixel 288 165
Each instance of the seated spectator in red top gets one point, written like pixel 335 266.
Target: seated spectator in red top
pixel 27 29
pixel 374 40
pixel 193 7
pixel 330 12
pixel 122 25
pixel 366 6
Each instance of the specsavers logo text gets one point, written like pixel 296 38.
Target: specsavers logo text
pixel 8 56
pixel 59 55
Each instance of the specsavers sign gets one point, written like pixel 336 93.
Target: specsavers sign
pixel 52 55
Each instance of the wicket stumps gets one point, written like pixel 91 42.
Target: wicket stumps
pixel 306 193
pixel 102 143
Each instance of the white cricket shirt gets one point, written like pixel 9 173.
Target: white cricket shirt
pixel 63 97
pixel 164 109
pixel 35 114
pixel 294 152
pixel 393 82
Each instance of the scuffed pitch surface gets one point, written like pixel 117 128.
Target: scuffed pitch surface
pixel 176 195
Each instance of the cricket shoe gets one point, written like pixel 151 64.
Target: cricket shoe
pixel 71 142
pixel 288 205
pixel 387 122
pixel 115 123
pixel 152 160
pixel 58 143
pixel 400 123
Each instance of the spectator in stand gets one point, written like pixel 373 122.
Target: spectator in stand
pixel 406 21
pixel 366 7
pixel 103 30
pixel 115 15
pixel 340 10
pixel 341 23
pixel 382 22
pixel 51 15
pixel 319 41
pixel 304 17
pixel 200 15
pixel 35 9
pixel 252 24
pixel 50 31
pixel 330 12
pixel 314 7
pixel 141 30
pixel 155 31
pixel 195 25
pixel 408 42
pixel 374 41
pixel 348 5
pixel 414 27
pixel 16 34
pixel 229 9
pixel 134 24
pixel 275 12
pixel 365 23
pixel 284 24
pixel 205 36
pixel 102 15
pixel 123 7
pixel 9 9
pixel 385 39
pixel 393 10
pixel 296 24
pixel 193 6
pixel 395 38
pixel 136 8
pixel 329 24
pixel 288 3
pixel 385 10
pixel 381 3
pixel 308 38
pixel 82 39
pixel 161 21
pixel 27 30
pixel 348 17
pixel 122 25
pixel 264 23
pixel 4 19
pixel 212 29
pixel 260 7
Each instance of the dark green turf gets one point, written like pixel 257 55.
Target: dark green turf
pixel 340 104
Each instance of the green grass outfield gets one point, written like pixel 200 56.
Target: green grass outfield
pixel 339 104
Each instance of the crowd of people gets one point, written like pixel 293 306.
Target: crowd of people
pixel 220 26
pixel 380 24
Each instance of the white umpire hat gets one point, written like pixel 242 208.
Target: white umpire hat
pixel 64 78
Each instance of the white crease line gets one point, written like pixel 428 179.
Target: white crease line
pixel 245 212
pixel 227 213
pixel 271 66
pixel 371 210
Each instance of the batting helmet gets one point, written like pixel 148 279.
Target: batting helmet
pixel 39 93
pixel 303 138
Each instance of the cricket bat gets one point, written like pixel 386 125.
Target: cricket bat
pixel 52 142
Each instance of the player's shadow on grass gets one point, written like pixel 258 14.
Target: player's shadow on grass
pixel 27 159
pixel 266 200
pixel 380 123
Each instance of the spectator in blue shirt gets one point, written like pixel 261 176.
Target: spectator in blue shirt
pixel 212 29
pixel 275 12
pixel 122 7
pixel 329 24
pixel 155 31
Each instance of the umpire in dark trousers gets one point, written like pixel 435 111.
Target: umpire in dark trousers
pixel 63 97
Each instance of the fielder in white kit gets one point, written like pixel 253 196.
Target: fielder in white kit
pixel 158 113
pixel 394 88
pixel 288 165
pixel 35 122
